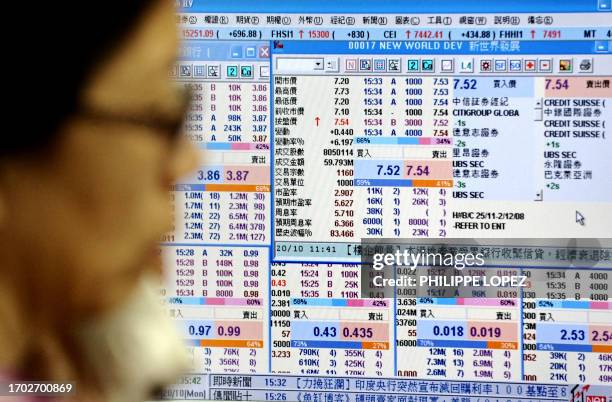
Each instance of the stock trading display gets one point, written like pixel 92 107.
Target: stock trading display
pixel 325 124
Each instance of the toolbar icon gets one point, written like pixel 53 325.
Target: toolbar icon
pixel 264 52
pixel 380 65
pixel 413 65
pixel 332 64
pixel 545 65
pixel 199 71
pixel 602 46
pixel 604 5
pixel 486 66
pixel 185 70
pixel 586 66
pixel 246 71
pixel 351 65
pixel 531 65
pixel 565 66
pixel 236 52
pixel 447 65
pixel 232 71
pixel 466 66
pixel 214 71
pixel 250 52
pixel 394 65
pixel 173 72
pixel 501 65
pixel 365 64
pixel 427 65
pixel 515 65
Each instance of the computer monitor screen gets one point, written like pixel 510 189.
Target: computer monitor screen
pixel 448 128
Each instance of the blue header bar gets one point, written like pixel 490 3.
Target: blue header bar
pixel 436 47
pixel 393 6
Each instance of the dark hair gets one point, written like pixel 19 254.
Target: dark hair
pixel 59 44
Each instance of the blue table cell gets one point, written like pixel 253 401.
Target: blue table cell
pixel 562 347
pixel 448 330
pixel 326 344
pixel 196 329
pixel 383 183
pixel 439 343
pixel 315 330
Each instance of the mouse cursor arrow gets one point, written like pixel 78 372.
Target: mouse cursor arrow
pixel 579 218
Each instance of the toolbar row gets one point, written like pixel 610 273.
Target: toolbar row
pixel 430 65
pixel 219 71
